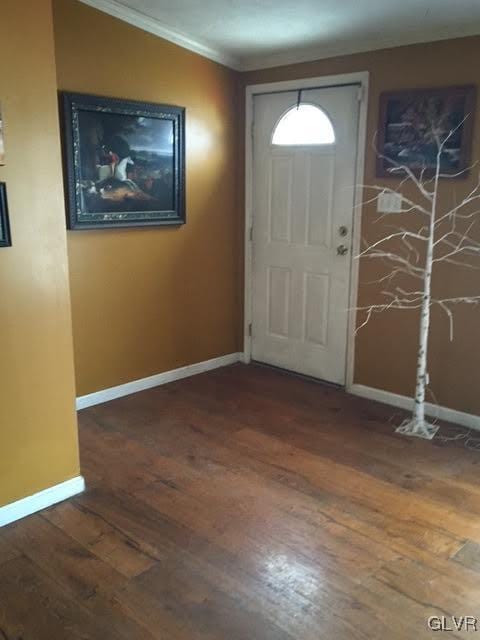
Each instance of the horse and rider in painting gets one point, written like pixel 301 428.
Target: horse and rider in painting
pixel 126 162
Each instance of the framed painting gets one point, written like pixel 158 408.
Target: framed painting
pixel 408 122
pixel 125 162
pixel 5 238
pixel 2 141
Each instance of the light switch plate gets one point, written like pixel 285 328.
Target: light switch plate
pixel 389 202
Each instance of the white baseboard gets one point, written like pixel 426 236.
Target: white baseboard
pixel 154 381
pixel 403 402
pixel 41 500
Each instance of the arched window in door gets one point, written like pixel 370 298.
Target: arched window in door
pixel 305 124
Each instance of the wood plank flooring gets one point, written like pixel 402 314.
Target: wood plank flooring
pixel 246 504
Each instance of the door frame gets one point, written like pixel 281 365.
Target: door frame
pixel 362 79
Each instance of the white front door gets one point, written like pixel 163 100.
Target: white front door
pixel 303 195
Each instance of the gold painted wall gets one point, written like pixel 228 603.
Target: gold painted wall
pixel 150 300
pixel 38 432
pixel 386 348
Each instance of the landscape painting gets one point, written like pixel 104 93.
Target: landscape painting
pixel 410 122
pixel 125 162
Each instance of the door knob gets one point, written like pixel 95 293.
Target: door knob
pixel 342 250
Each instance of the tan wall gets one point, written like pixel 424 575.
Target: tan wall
pixel 38 438
pixel 386 348
pixel 149 300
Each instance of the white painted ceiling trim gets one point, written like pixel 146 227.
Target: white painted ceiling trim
pixel 355 46
pixel 152 25
pixel 294 55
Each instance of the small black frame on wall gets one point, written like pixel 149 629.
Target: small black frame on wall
pixel 5 237
pixel 124 161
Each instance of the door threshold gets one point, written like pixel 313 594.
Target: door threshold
pixel 302 376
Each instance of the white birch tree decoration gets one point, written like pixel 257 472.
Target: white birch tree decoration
pixel 412 254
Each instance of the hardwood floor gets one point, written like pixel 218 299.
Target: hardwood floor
pixel 246 504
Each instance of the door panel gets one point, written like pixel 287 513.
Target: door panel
pixel 320 172
pixel 302 196
pixel 280 199
pixel 278 296
pixel 316 287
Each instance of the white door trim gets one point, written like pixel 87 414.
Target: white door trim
pixel 361 78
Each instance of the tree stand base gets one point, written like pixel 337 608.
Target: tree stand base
pixel 419 429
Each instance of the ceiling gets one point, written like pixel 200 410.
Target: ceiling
pixel 249 34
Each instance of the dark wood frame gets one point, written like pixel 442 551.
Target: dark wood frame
pixel 6 240
pixel 71 104
pixel 470 93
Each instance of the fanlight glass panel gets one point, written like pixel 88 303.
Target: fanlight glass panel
pixel 305 124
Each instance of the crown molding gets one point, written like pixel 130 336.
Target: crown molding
pixel 310 54
pixel 138 19
pixel 154 26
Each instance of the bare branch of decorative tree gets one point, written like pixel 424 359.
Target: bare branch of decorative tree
pixel 412 254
